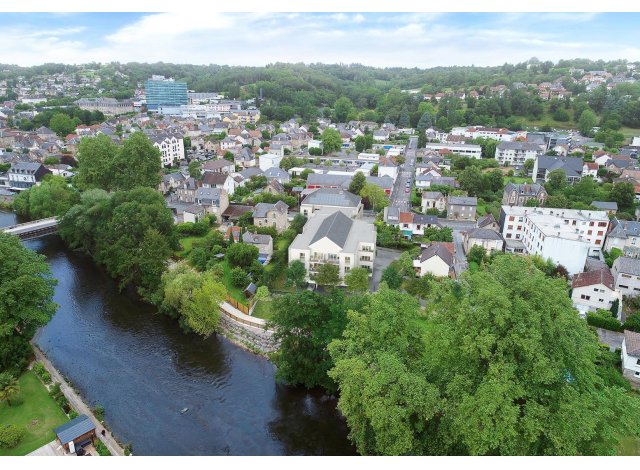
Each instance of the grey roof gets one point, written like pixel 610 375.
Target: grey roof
pixel 336 228
pixel 632 343
pixel 426 219
pixel 393 214
pixel 76 427
pixel 256 238
pixel 262 208
pixel 605 205
pixel 317 179
pixel 437 249
pixel 252 171
pixel 431 195
pixel 332 197
pixel 572 166
pixel 486 220
pixel 519 146
pixel 484 234
pixel 176 176
pixel 463 201
pixel 624 228
pixel 525 189
pixel 627 265
pixel 30 167
pixel 385 182
pixel 278 173
pixel 212 194
pixel 214 178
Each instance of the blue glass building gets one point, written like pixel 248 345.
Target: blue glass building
pixel 165 92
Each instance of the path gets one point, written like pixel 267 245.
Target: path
pixel 77 403
pixel 611 338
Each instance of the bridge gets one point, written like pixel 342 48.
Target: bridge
pixel 34 229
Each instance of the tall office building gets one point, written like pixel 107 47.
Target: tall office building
pixel 161 91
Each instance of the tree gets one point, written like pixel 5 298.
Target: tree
pixel 471 180
pixel 298 222
pixel 357 279
pixel 9 387
pixel 477 254
pixel 384 396
pixel 557 180
pixel 262 292
pixel 62 124
pixel 528 165
pixel 229 156
pixel 239 278
pixel 295 274
pixel 424 123
pixel 494 180
pixel 342 108
pixel 194 169
pixel 375 195
pixel 624 194
pixel 95 160
pixel 360 143
pixel 357 183
pixel 586 122
pixel 331 140
pixel 137 164
pixel 391 275
pixel 305 323
pixel 328 275
pixel 52 198
pixel 241 255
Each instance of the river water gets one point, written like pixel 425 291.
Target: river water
pixel 120 353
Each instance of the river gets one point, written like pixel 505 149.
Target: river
pixel 120 353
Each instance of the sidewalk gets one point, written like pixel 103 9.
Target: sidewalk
pixel 78 404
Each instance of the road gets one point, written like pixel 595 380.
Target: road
pixel 399 197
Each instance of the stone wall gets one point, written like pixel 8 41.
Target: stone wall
pixel 257 340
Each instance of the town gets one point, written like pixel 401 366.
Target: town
pixel 258 208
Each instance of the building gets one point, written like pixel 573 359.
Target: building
pixel 220 181
pixel 75 434
pixel 516 153
pixel 566 236
pixel 194 213
pixel 216 200
pixel 269 160
pixel 410 223
pixel 107 106
pixel 626 273
pixel 572 167
pixel 161 91
pixel 433 200
pixel 515 194
pixel 271 215
pixel 488 239
pixel 217 166
pixel 610 206
pixel 625 235
pixel 264 243
pixel 465 150
pixel 332 199
pixel 333 237
pixel 593 290
pixel 436 259
pixel 171 182
pixel 171 148
pixel 631 356
pixel 461 208
pixel 24 175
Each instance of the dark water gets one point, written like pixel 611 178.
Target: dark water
pixel 143 370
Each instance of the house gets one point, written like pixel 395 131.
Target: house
pixel 489 222
pixel 217 166
pixel 461 208
pixel 410 223
pixel 269 160
pixel 321 180
pixel 215 200
pixel 516 153
pixel 380 135
pixel 75 434
pixel 24 175
pixel 436 259
pixel 567 236
pixel 593 290
pixel 610 206
pixel 383 182
pixel 386 167
pixel 433 200
pixel 488 239
pixel 624 235
pixel 464 150
pixel 544 165
pixel 232 232
pixel 186 192
pixel 626 273
pixel 590 169
pixel 515 194
pixel 330 198
pixel 631 356
pixel 332 237
pixel 194 213
pixel 220 181
pixel 264 243
pixel 171 148
pixel 271 215
pixel 171 182
pixel 277 174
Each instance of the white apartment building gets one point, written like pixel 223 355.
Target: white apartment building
pixel 566 236
pixel 465 150
pixel 333 237
pixel 516 153
pixel 269 160
pixel 171 148
pixel 631 356
pixel 501 134
pixel 626 273
pixel 593 290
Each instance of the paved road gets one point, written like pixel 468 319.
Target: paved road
pixel 399 197
pixel 384 257
pixel 611 338
pixel 460 264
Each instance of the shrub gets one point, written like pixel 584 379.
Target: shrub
pixel 73 414
pixel 38 369
pixel 55 390
pixel 239 278
pixel 633 323
pixel 98 410
pixel 10 435
pixel 102 449
pixel 602 321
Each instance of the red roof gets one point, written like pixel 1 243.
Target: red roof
pixel 591 278
pixel 406 217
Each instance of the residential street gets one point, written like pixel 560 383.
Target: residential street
pixel 399 197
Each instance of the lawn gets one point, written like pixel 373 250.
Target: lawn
pixel 233 291
pixel 263 309
pixel 515 179
pixel 39 414
pixel 187 244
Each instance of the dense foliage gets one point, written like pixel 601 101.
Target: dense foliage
pixel 53 197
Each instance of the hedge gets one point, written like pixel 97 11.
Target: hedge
pixel 600 321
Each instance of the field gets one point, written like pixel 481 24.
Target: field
pixel 39 414
pixel 263 309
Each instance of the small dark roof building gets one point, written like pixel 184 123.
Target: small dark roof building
pixel 80 430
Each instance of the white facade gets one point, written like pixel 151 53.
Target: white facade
pixel 171 150
pixel 269 160
pixel 514 154
pixel 630 364
pixel 465 150
pixel 593 297
pixel 504 135
pixel 391 171
pixel 434 265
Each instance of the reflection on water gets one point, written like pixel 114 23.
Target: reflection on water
pixel 140 366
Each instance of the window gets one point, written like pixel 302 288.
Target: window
pixel 636 374
pixel 602 224
pixel 638 362
pixel 585 297
pixel 347 259
pixel 302 256
pixel 600 233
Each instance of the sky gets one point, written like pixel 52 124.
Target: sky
pixel 378 39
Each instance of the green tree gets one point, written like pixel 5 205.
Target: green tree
pixel 239 278
pixel 471 180
pixel 331 140
pixel 586 122
pixel 360 143
pixel 392 276
pixel 357 183
pixel 384 396
pixel 194 169
pixel 624 194
pixel 241 255
pixel 477 254
pixel 342 108
pixel 375 196
pixel 95 162
pixel 328 275
pixel 295 274
pixel 137 164
pixel 9 387
pixel 298 222
pixel 62 124
pixel 52 198
pixel 357 280
pixel 557 180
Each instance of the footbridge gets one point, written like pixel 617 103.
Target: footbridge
pixel 33 229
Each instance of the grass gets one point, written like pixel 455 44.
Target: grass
pixel 629 446
pixel 515 179
pixel 233 291
pixel 39 414
pixel 187 242
pixel 263 309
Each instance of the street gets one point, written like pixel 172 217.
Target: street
pixel 399 197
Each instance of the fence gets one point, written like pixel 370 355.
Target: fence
pixel 243 318
pixel 242 307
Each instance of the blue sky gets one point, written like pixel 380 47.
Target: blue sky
pixel 379 39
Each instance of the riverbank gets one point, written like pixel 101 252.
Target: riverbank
pixel 78 404
pixel 245 331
